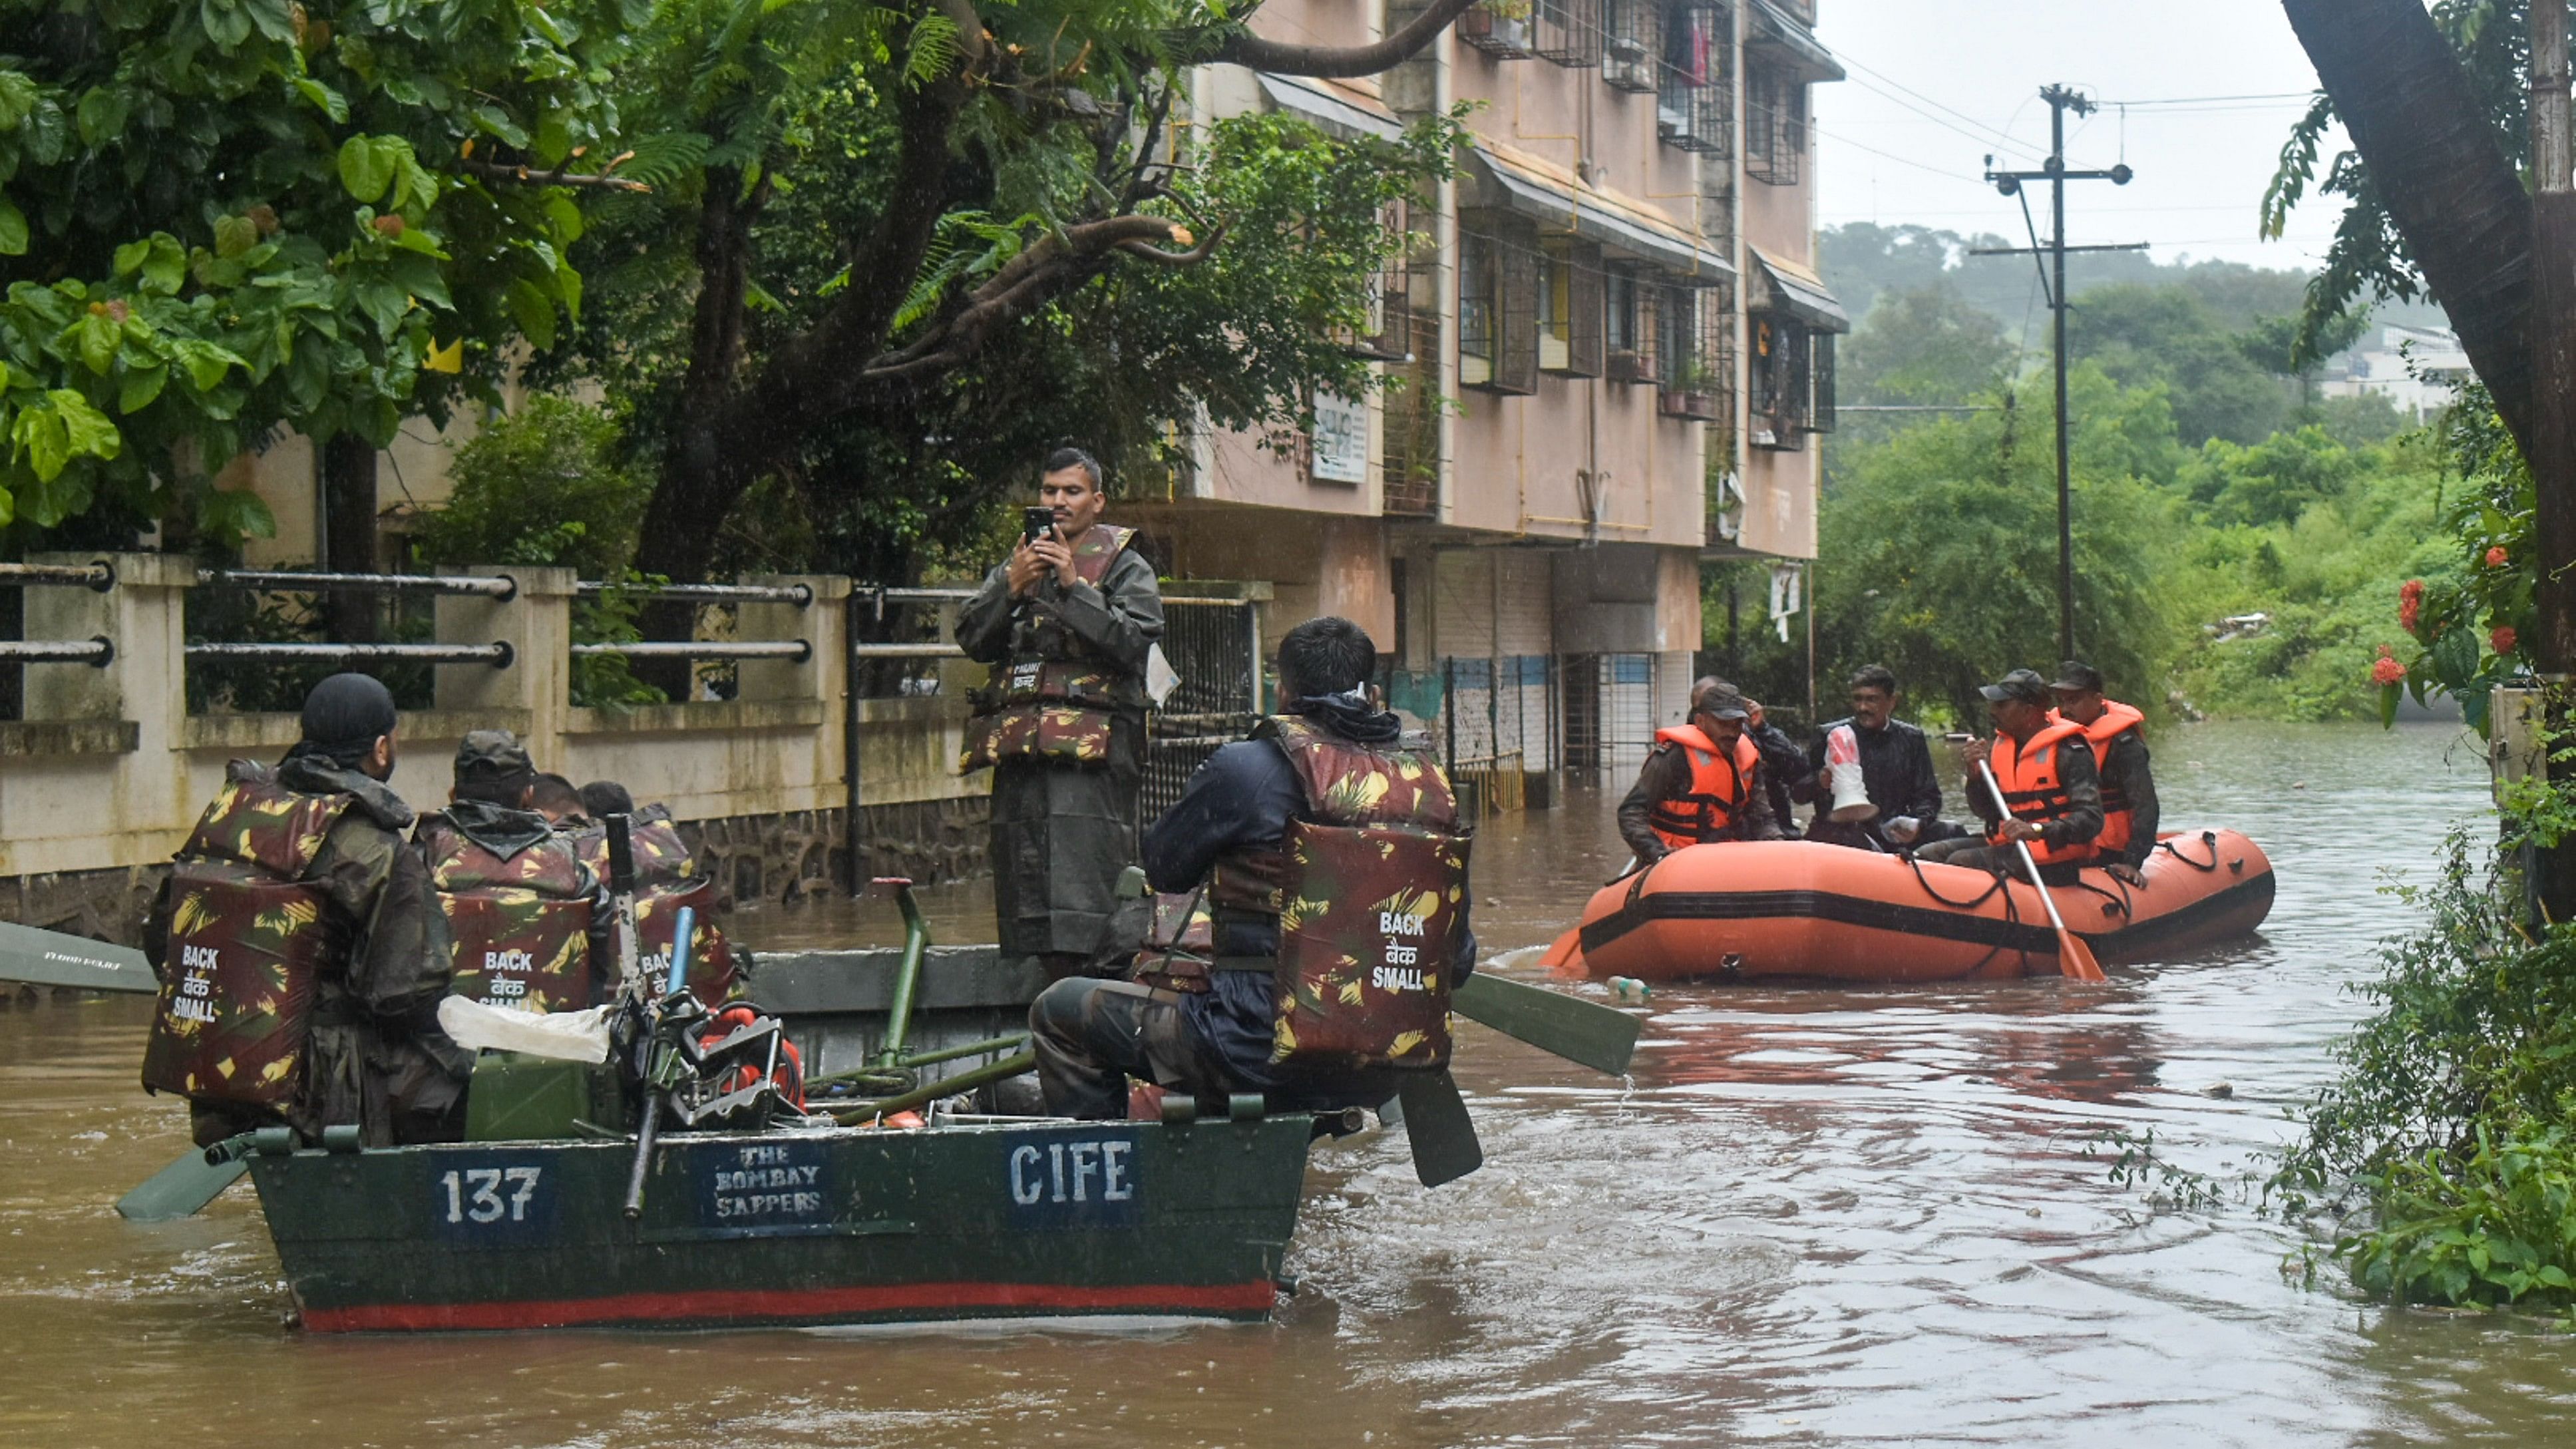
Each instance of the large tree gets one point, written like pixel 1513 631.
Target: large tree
pixel 1001 159
pixel 222 217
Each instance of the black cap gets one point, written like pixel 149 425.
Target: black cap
pixel 2076 674
pixel 2022 684
pixel 1723 702
pixel 346 711
pixel 493 755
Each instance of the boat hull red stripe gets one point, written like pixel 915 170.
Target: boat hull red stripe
pixel 805 1305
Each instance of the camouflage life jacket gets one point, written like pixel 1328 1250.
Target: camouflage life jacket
pixel 521 923
pixel 248 941
pixel 667 878
pixel 1054 709
pixel 1370 890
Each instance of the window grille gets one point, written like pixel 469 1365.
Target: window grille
pixel 1499 28
pixel 1632 44
pixel 1821 371
pixel 1782 388
pixel 1689 382
pixel 1479 285
pixel 1775 125
pixel 1570 308
pixel 1498 302
pixel 1696 82
pixel 1567 32
pixel 1629 327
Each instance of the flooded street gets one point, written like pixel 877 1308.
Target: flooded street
pixel 1815 1216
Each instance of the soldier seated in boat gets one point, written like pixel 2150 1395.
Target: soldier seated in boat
pixel 2118 735
pixel 1326 877
pixel 1895 769
pixel 531 922
pixel 1703 781
pixel 1784 765
pixel 2045 768
pixel 667 877
pixel 553 797
pixel 301 958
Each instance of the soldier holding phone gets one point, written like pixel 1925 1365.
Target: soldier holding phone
pixel 1067 622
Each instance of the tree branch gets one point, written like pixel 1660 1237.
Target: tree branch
pixel 501 171
pixel 1053 265
pixel 1244 48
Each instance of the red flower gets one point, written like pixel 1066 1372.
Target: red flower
pixel 2496 557
pixel 2410 605
pixel 2385 670
pixel 2502 639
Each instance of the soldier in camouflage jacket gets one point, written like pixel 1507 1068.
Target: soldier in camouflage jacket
pixel 372 1052
pixel 1091 1036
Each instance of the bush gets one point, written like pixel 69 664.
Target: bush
pixel 2447 1133
pixel 547 486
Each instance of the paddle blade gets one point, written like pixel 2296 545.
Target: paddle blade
pixel 183 1188
pixel 50 958
pixel 1583 1032
pixel 1436 1123
pixel 2075 959
pixel 1565 956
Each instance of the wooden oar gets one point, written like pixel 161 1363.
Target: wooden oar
pixel 1436 1125
pixel 2074 958
pixel 50 958
pixel 1583 1032
pixel 185 1187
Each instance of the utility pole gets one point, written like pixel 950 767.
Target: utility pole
pixel 2061 99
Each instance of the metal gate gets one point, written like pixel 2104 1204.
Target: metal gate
pixel 1215 647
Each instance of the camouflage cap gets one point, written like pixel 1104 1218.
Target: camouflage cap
pixel 2021 684
pixel 494 755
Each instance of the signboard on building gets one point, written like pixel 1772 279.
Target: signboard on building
pixel 1341 440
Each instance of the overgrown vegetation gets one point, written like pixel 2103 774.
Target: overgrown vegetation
pixel 2236 534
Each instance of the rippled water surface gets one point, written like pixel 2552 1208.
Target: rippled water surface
pixel 1820 1217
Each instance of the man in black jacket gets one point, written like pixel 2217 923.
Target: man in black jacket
pixel 1092 1035
pixel 1895 770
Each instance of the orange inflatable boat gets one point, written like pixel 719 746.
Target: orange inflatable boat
pixel 1792 909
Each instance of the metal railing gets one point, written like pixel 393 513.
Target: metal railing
pixel 498 655
pixel 799 595
pixel 795 650
pixel 496 586
pixel 96 652
pixel 100 576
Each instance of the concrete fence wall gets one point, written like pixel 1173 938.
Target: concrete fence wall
pixel 103 777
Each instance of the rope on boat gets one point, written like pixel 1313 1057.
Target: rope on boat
pixel 2208 838
pixel 2012 908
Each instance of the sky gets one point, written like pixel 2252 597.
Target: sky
pixel 1935 85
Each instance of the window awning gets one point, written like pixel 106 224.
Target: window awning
pixel 1792 44
pixel 1597 218
pixel 1786 287
pixel 1341 113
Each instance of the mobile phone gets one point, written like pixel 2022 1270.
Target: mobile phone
pixel 1958 738
pixel 1035 522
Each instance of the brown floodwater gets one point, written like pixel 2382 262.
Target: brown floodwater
pixel 1816 1217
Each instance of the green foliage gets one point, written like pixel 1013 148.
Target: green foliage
pixel 2475 598
pixel 1938 547
pixel 546 486
pixel 218 218
pixel 2445 1138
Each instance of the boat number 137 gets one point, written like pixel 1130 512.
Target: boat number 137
pixel 490 1194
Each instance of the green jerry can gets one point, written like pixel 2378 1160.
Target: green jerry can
pixel 520 1098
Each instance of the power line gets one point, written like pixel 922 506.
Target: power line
pixel 2003 138
pixel 1892 156
pixel 2203 100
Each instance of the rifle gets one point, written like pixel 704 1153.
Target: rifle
pixel 660 1060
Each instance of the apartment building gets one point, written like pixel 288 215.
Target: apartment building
pixel 1606 365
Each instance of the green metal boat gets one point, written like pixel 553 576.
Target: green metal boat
pixel 844 1225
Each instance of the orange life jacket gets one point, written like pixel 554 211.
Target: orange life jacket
pixel 1720 784
pixel 2118 826
pixel 2034 791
